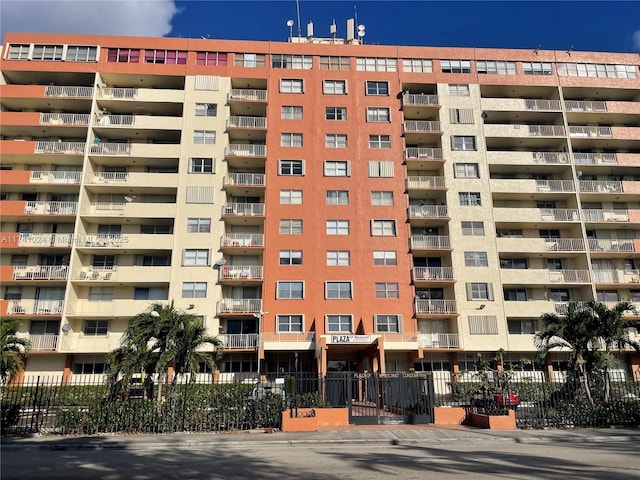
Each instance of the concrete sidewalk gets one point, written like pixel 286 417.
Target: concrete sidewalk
pixel 396 434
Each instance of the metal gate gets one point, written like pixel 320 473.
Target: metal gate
pixel 375 399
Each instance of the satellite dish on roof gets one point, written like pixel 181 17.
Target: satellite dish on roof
pixel 289 23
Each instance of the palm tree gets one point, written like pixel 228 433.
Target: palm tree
pixel 13 349
pixel 576 331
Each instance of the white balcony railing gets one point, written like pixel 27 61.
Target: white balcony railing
pixel 601 186
pixel 64 119
pixel 242 240
pixel 430 242
pixel 589 158
pixel 590 131
pixel 55 176
pixel 122 93
pixel 240 272
pixel 558 214
pixel 422 126
pixel 419 99
pixel 605 245
pixel 42 341
pixel 432 273
pixel 435 307
pixel 51 208
pixel 35 306
pixel 245 94
pixel 605 215
pixel 245 150
pixel 533 104
pixel 247 122
pixel 40 272
pixel 585 106
pixel 439 340
pixel 425 182
pixel 240 305
pixel 245 179
pixel 239 340
pixel 546 130
pixel 62 148
pixel 111 149
pixel 423 153
pixel 428 211
pixel 569 276
pixel 243 209
pixel 109 120
pixel 563 244
pixel 68 91
pixel 555 186
pixel 550 158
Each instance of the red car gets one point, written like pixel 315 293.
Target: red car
pixel 497 400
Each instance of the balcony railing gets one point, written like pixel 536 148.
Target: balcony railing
pixel 239 340
pixel 240 305
pixel 50 208
pixel 251 95
pixel 40 272
pixel 558 214
pixel 587 158
pixel 241 272
pixel 64 119
pixel 605 215
pixel 436 307
pixel 41 341
pixel 419 99
pixel 63 148
pixel 428 211
pixel 432 273
pixel 245 150
pixel 550 158
pixel 533 104
pixel 563 244
pixel 243 209
pixel 430 242
pixel 247 122
pixel 66 91
pixel 585 106
pixel 590 131
pixel 245 179
pixel 123 93
pixel 597 245
pixel 425 182
pixel 546 130
pixel 423 153
pixel 569 276
pixel 555 186
pixel 111 149
pixel 606 186
pixel 45 240
pixel 439 340
pixel 616 276
pixel 54 176
pixel 422 126
pixel 35 307
pixel 562 307
pixel 242 240
pixel 107 120
pixel 95 273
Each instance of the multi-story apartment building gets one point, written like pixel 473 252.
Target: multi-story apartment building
pixel 322 205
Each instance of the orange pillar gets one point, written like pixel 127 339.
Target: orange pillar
pixel 455 366
pixel 634 365
pixel 66 374
pixel 548 368
pixel 170 373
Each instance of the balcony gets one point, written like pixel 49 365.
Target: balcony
pixel 244 182
pixel 237 121
pixel 247 95
pixel 428 212
pixel 78 342
pixel 422 126
pixel 527 309
pixel 608 186
pixel 240 341
pixel 596 158
pixel 66 119
pixel 542 276
pixel 239 306
pixel 585 106
pixel 432 275
pixel 41 342
pixel 157 122
pixel 523 130
pixel 235 242
pixel 122 209
pixel 130 241
pixel 30 306
pixel 248 213
pixel 590 131
pixel 141 95
pixel 439 340
pixel 527 158
pixel 611 246
pixel 422 154
pixel 605 215
pixel 60 148
pixel 102 148
pixel 133 179
pixel 37 240
pixel 430 242
pixel 436 307
pixel 422 182
pixel 122 274
pixel 240 272
pixel 245 150
pixel 68 91
pixel 532 186
pixel 616 276
pixel 121 308
pixel 535 215
pixel 539 245
pixel 40 272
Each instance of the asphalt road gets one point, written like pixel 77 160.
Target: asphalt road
pixel 587 460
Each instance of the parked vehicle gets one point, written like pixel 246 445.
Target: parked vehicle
pixel 498 400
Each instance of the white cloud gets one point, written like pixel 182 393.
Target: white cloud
pixel 101 17
pixel 636 40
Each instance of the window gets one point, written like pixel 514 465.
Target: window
pixel 479 291
pixel 469 199
pixel 290 324
pixel 199 195
pixel 95 327
pixel 154 260
pixel 100 294
pixel 201 165
pixel 455 66
pixel 337 227
pixel 249 60
pixel 88 368
pixel 537 68
pixel 380 169
pixel 461 115
pixel 493 67
pixel 291 167
pixel 377 88
pixel 338 290
pixel 515 295
pixel 596 70
pixel 156 229
pixel 387 290
pixel 335 140
pixel 150 293
pixel 336 168
pixel 204 137
pixel 291 113
pixel 334 87
pixel 338 258
pixel 383 228
pixel 521 327
pixel 291 197
pixel 81 54
pixel 385 258
pixel 483 325
pixel 339 323
pixel 290 257
pixel 463 142
pixel 337 197
pixel 211 58
pixel 194 290
pixel 335 113
pixel 19 52
pixel 170 57
pixel 376 64
pixel 206 109
pixel 459 90
pixel 387 323
pixel 295 62
pixel 382 198
pixel 334 63
pixel 195 257
pixel 378 114
pixel 417 65
pixel 514 263
pixel 509 232
pixel 123 55
pixel 379 141
pixel 103 261
pixel 198 225
pixel 291 85
pixel 466 170
pixel 290 227
pixel 290 290
pixel 290 139
pixel 47 52
pixel 476 259
pixel 239 363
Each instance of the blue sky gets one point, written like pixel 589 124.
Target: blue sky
pixel 585 25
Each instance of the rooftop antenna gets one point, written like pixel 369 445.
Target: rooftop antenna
pixel 570 50
pixel 290 25
pixel 298 12
pixel 333 28
pixel 537 49
pixel 361 33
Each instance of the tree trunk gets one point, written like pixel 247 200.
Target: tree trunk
pixel 584 379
